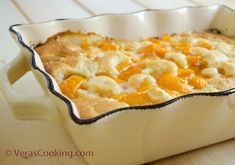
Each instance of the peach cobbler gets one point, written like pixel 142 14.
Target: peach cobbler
pixel 101 74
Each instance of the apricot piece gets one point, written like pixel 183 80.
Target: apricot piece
pixel 147 50
pixel 153 49
pixel 85 44
pixel 170 82
pixel 123 66
pixel 136 99
pixel 129 72
pixel 145 85
pixel 184 47
pixel 71 84
pixel 118 96
pixel 160 50
pixel 205 45
pixel 154 40
pixel 197 82
pixel 108 46
pixel 166 37
pixel 184 72
pixel 194 60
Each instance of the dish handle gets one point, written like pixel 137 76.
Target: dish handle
pixel 25 107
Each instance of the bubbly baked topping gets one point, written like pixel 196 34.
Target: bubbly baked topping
pixel 101 74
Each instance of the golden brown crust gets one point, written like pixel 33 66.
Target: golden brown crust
pixel 214 36
pixel 85 55
pixel 62 59
pixel 89 106
pixel 222 83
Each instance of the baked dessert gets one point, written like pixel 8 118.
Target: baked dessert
pixel 101 74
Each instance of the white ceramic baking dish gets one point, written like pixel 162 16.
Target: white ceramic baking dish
pixel 131 135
